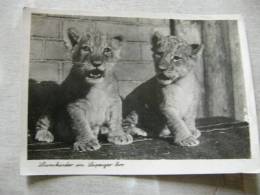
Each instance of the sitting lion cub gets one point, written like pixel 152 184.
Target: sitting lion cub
pixel 89 103
pixel 172 95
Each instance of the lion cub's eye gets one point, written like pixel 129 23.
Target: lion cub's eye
pixel 107 52
pixel 176 58
pixel 86 48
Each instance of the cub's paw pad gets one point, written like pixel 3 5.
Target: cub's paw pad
pixel 136 131
pixel 165 132
pixel 196 133
pixel 189 141
pixel 122 139
pixel 91 145
pixel 44 136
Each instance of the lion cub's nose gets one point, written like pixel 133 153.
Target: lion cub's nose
pixel 96 61
pixel 162 67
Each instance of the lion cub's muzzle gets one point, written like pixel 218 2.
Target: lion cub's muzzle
pixel 165 77
pixel 162 76
pixel 96 63
pixel 98 70
pixel 95 74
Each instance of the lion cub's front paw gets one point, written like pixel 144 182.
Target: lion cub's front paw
pixel 83 146
pixel 189 141
pixel 120 139
pixel 44 136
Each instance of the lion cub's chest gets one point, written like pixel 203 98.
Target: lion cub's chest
pixel 180 95
pixel 97 107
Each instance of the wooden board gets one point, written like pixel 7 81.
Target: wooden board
pixel 221 138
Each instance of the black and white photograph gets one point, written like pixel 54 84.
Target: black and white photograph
pixel 137 94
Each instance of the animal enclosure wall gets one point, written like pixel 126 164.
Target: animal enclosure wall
pixel 219 71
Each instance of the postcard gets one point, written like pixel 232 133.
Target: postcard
pixel 136 94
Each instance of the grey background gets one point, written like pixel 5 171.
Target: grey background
pixel 11 52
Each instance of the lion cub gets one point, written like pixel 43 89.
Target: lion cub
pixel 172 95
pixel 89 103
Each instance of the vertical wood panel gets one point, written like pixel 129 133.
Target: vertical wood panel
pixel 218 72
pixel 237 70
pixel 190 31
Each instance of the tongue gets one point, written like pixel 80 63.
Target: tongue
pixel 94 75
pixel 163 77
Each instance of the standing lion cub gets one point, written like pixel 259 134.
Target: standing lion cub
pixel 172 95
pixel 89 100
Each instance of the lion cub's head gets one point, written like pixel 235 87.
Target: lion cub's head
pixel 93 54
pixel 173 57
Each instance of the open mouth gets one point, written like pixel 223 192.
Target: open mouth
pixel 95 74
pixel 162 76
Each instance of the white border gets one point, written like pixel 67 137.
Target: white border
pixel 145 167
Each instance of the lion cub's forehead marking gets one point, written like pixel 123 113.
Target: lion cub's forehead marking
pixel 95 40
pixel 174 45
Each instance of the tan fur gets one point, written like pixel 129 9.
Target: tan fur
pixel 173 94
pixel 90 102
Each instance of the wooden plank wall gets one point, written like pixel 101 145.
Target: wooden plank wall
pixel 219 71
pixel 240 111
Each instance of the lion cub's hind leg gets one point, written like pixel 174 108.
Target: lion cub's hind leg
pixel 120 138
pixel 133 130
pixel 130 125
pixel 165 132
pixel 42 130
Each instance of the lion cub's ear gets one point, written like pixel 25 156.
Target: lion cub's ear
pixel 73 37
pixel 155 40
pixel 117 43
pixel 196 50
